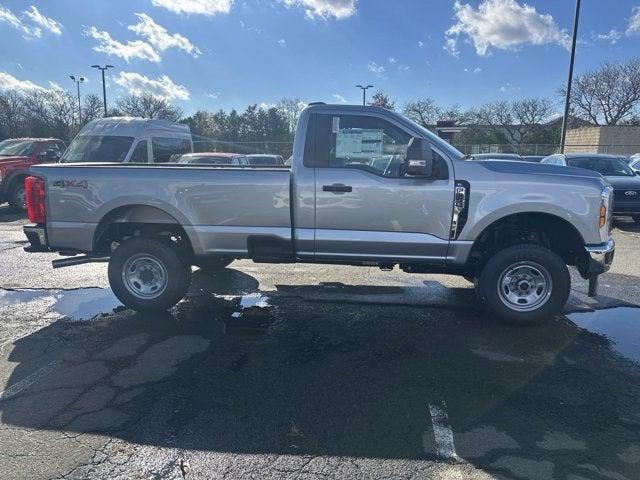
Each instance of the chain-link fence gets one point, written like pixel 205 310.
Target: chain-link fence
pixel 541 149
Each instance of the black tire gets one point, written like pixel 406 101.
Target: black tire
pixel 552 284
pixel 213 265
pixel 161 259
pixel 17 196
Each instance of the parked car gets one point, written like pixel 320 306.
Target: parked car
pixel 498 156
pixel 634 162
pixel 129 140
pixel 213 158
pixel 267 160
pixel 624 180
pixel 367 187
pixel 533 158
pixel 16 156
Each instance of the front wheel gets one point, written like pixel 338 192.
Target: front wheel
pixel 18 197
pixel 148 275
pixel 525 284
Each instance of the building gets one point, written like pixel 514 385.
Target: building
pixel 612 139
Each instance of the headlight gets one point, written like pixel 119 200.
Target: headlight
pixel 604 217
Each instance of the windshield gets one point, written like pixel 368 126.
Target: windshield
pixel 17 148
pixel 612 166
pixel 88 148
pixel 265 160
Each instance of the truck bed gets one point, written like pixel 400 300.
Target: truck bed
pixel 218 207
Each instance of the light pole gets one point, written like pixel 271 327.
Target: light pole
pixel 567 100
pixel 364 92
pixel 104 89
pixel 78 81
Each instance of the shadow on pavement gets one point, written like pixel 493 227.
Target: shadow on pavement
pixel 233 369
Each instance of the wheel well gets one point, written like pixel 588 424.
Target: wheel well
pixel 543 229
pixel 139 220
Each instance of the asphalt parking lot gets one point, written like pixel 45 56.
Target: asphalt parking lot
pixel 313 372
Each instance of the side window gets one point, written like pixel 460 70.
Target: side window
pixel 367 143
pixel 140 154
pixel 164 148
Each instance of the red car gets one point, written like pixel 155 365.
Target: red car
pixel 16 156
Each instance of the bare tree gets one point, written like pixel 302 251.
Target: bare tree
pixel 92 107
pixel 423 111
pixel 609 94
pixel 381 99
pixel 148 106
pixel 291 108
pixel 514 120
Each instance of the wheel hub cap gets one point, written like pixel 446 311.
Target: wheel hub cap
pixel 144 276
pixel 525 286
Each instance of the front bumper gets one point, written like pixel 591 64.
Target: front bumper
pixel 37 237
pixel 600 257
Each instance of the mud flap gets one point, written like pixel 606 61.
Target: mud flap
pixel 593 285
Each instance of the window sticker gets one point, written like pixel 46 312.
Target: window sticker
pixel 359 143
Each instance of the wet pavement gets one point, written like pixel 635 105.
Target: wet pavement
pixel 313 372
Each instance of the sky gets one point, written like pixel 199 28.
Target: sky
pixel 212 54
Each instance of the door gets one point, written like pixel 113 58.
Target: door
pixel 367 208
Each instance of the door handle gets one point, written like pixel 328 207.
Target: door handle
pixel 337 188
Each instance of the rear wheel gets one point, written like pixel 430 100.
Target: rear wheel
pixel 525 284
pixel 18 197
pixel 148 275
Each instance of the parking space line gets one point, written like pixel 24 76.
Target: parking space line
pixel 442 432
pixel 26 382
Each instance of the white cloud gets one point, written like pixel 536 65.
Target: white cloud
pixel 339 97
pixel 379 70
pixel 213 95
pixel 198 7
pixel 338 9
pixel 633 28
pixel 162 87
pixel 129 50
pixel 420 44
pixel 509 87
pixel 159 38
pixel 266 105
pixel 9 82
pixel 451 47
pixel 45 22
pixel 8 17
pixel 282 42
pixel 503 24
pixel 613 36
pixel 393 60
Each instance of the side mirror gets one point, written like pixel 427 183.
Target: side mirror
pixel 419 162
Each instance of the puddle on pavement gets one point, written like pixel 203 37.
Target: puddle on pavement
pixel 75 305
pixel 251 315
pixel 621 325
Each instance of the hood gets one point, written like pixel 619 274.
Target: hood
pixel 530 168
pixel 624 183
pixel 15 159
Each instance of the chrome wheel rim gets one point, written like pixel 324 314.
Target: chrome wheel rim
pixel 144 276
pixel 525 286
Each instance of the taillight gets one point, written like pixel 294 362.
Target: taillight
pixel 35 192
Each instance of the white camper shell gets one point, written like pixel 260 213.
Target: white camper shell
pixel 129 140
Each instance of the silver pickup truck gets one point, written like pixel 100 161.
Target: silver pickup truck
pixel 366 187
